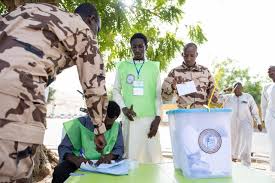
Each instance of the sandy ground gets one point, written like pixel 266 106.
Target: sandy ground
pixel 260 146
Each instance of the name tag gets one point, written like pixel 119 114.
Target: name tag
pixel 138 88
pixel 186 88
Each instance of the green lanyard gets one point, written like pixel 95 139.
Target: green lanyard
pixel 138 70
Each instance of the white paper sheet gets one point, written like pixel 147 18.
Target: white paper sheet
pixel 115 168
pixel 186 88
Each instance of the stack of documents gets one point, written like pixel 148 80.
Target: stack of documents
pixel 115 168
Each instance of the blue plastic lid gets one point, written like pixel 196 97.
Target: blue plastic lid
pixel 198 110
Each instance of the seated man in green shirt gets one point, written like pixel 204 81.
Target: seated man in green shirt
pixel 78 145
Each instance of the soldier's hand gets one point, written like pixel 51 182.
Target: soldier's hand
pixel 177 80
pixel 260 128
pixel 129 113
pixel 100 142
pixel 154 127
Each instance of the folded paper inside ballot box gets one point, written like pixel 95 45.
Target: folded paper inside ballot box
pixel 201 142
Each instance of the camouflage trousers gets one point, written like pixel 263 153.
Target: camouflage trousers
pixel 16 161
pixel 22 127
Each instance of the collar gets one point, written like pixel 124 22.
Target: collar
pixel 238 96
pixel 137 61
pixel 196 67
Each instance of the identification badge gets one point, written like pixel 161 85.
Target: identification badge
pixel 138 88
pixel 130 78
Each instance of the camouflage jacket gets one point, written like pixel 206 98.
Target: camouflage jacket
pixel 39 41
pixel 204 84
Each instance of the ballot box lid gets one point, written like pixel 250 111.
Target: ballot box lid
pixel 174 111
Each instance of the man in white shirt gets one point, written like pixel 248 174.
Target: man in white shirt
pixel 268 113
pixel 244 111
pixel 137 91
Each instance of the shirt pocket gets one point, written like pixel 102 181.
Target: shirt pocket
pixel 202 84
pixel 244 102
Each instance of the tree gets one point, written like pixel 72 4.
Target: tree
pixel 227 72
pixel 12 4
pixel 3 8
pixel 120 22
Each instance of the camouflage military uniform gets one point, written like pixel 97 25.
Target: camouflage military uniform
pixel 39 41
pixel 204 83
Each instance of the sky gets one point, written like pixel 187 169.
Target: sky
pixel 242 30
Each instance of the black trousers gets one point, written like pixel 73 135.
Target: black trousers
pixel 62 171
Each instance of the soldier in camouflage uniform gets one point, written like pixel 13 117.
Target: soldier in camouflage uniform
pixel 39 41
pixel 190 71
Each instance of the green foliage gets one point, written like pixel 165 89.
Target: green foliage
pixel 157 19
pixel 3 9
pixel 196 34
pixel 255 89
pixel 227 73
pixel 120 22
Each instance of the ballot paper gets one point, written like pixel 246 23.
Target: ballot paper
pixel 115 168
pixel 186 88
